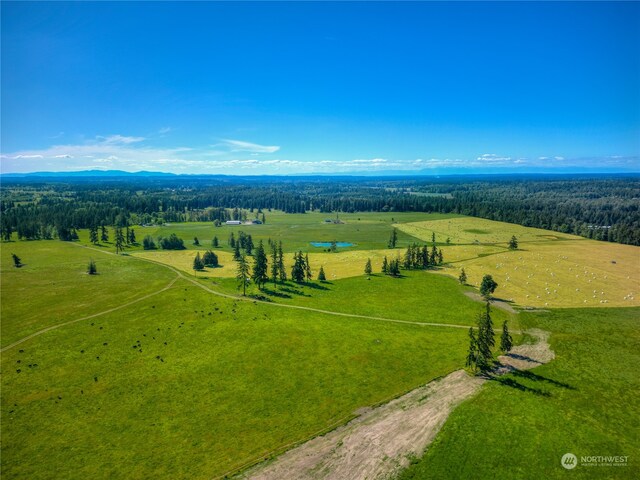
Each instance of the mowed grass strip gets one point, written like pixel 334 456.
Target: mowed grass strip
pixel 583 402
pixel 470 230
pixel 189 385
pixel 583 273
pixel 53 285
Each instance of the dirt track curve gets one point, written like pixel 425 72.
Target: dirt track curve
pixel 377 444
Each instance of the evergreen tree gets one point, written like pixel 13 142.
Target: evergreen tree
pixel 394 267
pixel 132 236
pixel 440 258
pixel 119 240
pixel 433 258
pixel 242 273
pixel 463 277
pixel 275 268
pixel 173 242
pixel 424 254
pixel 385 265
pixel 394 238
pixel 148 243
pixel 16 260
pixel 298 269
pixel 406 262
pixel 321 275
pixel 210 259
pixel 472 356
pixel 488 286
pixel 334 246
pixel 215 243
pixel 232 241
pixel 196 242
pixel 93 235
pixel 236 251
pixel 367 267
pixel 513 243
pixel 91 268
pixel 104 234
pixel 486 340
pixel 281 270
pixel 260 266
pixel 264 220
pixel 433 238
pixel 126 235
pixel 307 268
pixel 506 341
pixel 198 264
pixel 248 245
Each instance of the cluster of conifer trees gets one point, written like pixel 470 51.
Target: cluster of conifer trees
pixel 480 355
pixel 261 271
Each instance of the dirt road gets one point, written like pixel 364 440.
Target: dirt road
pixel 377 444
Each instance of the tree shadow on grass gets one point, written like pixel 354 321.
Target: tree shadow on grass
pixel 539 378
pixel 276 293
pixel 294 291
pixel 517 356
pixel 315 286
pixel 510 382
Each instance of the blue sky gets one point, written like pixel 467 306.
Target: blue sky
pixel 279 88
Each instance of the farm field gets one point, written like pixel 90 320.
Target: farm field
pixel 417 297
pixel 53 286
pixel 549 270
pixel 584 402
pixel 366 230
pixel 215 384
pixel 234 381
pixel 471 230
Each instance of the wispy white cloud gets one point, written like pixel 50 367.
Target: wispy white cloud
pixel 240 146
pixel 235 156
pixel 492 158
pixel 164 130
pixel 119 140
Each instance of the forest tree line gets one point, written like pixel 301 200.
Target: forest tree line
pixel 603 208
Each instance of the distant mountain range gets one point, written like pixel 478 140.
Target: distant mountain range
pixel 89 173
pixel 121 174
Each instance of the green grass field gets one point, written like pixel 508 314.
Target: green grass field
pixel 366 230
pixel 418 296
pixel 234 381
pixel 584 402
pixel 53 287
pixel 188 384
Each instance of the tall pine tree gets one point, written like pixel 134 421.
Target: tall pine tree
pixel 260 266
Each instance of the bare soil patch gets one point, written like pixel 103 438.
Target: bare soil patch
pixel 496 303
pixel 378 443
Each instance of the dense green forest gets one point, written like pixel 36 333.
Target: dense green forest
pixel 603 207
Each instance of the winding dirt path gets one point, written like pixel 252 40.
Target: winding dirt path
pixel 104 312
pixel 182 276
pixel 282 305
pixel 377 444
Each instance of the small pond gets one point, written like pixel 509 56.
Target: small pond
pixel 328 244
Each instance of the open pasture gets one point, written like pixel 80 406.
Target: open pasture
pixel 584 402
pixel 582 273
pixel 366 230
pixel 53 285
pixel 344 263
pixel 190 385
pixel 471 230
